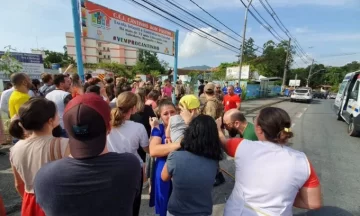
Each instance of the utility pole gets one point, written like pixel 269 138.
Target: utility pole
pixel 311 68
pixel 295 80
pixel 286 64
pixel 243 40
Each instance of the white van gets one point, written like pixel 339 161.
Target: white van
pixel 347 102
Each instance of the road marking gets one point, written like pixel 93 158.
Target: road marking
pixel 145 196
pixel 7 171
pixel 298 115
pixel 293 124
pixel 308 105
pixel 305 109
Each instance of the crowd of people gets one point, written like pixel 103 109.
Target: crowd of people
pixel 91 148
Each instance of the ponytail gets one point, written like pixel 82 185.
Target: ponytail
pixel 117 117
pixel 16 130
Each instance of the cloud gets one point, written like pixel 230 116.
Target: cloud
pixel 193 44
pixel 331 37
pixel 302 30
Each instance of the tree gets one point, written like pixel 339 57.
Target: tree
pixel 155 74
pixel 272 62
pixel 149 61
pixel 9 64
pixel 249 51
pixel 116 68
pixel 63 59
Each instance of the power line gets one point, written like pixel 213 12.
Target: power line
pixel 262 24
pixel 202 21
pixel 231 49
pixel 173 16
pixel 268 25
pixel 259 47
pixel 282 27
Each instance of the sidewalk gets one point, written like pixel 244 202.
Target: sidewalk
pixel 13 202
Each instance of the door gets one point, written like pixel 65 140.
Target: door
pixel 340 97
pixel 353 104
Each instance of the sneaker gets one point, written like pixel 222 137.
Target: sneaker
pixel 219 179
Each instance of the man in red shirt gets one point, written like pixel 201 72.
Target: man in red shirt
pixel 231 100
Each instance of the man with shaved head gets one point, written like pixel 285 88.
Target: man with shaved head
pixel 236 123
pixel 231 100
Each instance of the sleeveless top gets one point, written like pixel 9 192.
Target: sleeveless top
pixel 268 178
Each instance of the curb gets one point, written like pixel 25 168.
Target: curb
pixel 265 105
pixel 13 208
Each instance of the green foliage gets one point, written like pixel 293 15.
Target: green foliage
pixel 271 63
pixel 249 51
pixel 220 72
pixel 9 64
pixel 116 68
pixel 57 58
pixel 193 75
pixel 148 62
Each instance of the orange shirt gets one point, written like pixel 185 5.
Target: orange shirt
pixel 230 101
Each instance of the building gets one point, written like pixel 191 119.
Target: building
pixel 94 51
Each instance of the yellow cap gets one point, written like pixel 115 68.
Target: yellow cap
pixel 190 102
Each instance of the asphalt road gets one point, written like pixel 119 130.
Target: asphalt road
pixel 335 156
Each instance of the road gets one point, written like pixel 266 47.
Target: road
pixel 333 153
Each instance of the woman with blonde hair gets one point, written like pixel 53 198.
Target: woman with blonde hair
pixel 39 116
pixel 126 135
pixel 76 87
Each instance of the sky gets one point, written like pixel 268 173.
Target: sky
pixel 323 28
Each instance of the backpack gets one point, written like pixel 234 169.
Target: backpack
pixel 219 107
pixel 43 92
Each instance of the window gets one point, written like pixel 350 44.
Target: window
pixel 104 48
pixel 355 91
pixel 342 87
pixel 108 56
pixel 99 44
pixel 104 56
pixel 108 49
pixel 100 53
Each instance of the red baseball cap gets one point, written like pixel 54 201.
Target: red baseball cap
pixel 87 121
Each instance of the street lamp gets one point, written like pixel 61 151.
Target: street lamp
pixel 312 74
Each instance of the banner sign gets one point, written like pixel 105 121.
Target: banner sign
pixel 31 63
pixel 232 73
pixel 104 24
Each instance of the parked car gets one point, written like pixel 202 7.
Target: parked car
pixel 302 94
pixel 319 95
pixel 332 96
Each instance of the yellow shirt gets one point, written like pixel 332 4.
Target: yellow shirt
pixel 16 100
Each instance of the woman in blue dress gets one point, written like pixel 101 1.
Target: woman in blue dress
pixel 159 148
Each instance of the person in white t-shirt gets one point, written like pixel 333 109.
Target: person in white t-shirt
pixel 126 135
pixel 60 96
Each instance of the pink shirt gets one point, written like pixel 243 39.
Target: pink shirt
pixel 167 90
